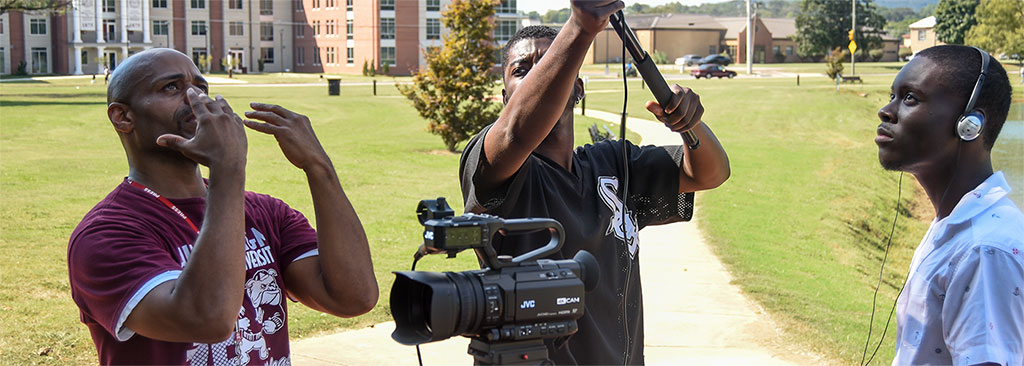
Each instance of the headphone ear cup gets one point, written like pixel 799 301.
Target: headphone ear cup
pixel 969 126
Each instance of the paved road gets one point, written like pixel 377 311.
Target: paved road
pixel 694 315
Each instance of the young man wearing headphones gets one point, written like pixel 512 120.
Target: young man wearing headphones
pixel 963 302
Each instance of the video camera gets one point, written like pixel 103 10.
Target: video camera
pixel 509 306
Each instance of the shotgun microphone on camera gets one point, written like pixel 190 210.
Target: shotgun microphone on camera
pixel 648 70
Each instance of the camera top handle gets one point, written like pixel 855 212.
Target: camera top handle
pixel 522 226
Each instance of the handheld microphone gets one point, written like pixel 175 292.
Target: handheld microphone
pixel 648 70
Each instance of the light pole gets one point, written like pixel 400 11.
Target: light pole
pixel 750 40
pixel 853 30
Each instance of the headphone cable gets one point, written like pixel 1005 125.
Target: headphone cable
pixel 871 322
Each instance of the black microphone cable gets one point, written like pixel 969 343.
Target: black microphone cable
pixel 625 207
pixel 871 322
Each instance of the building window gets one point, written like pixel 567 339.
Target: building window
pixel 198 55
pixel 85 57
pixel 109 29
pixel 330 3
pixel 789 50
pixel 348 5
pixel 40 59
pixel 387 55
pixel 316 28
pixel 300 56
pixel 160 4
pixel 922 35
pixel 776 50
pixel 3 56
pixel 198 4
pixel 109 6
pixel 1 26
pixel 267 55
pixel 330 27
pixel 712 49
pixel 387 4
pixel 504 30
pixel 198 27
pixel 236 29
pixel 507 6
pixel 316 4
pixel 433 28
pixel 387 28
pixel 330 55
pixel 298 6
pixel 266 7
pixel 37 26
pixel 300 30
pixel 235 4
pixel 316 56
pixel 349 28
pixel 266 31
pixel 160 28
pixel 433 5
pixel 351 59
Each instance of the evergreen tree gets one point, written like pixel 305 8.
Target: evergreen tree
pixel 953 18
pixel 454 92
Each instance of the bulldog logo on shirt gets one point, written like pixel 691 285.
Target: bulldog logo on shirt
pixel 608 187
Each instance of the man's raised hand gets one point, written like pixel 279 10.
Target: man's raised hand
pixel 682 112
pixel 293 132
pixel 592 15
pixel 219 139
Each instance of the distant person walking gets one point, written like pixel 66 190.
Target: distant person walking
pixel 106 75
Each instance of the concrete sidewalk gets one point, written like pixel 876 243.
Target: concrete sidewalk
pixel 693 314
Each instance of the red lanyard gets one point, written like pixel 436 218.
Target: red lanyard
pixel 165 201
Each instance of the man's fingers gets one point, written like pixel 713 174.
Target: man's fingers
pixel 266 116
pixel 655 109
pixel 171 141
pixel 678 94
pixel 223 103
pixel 261 127
pixel 197 101
pixel 270 107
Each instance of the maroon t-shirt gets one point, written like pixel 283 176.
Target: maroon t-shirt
pixel 131 242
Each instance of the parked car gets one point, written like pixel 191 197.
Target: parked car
pixel 716 59
pixel 688 60
pixel 712 70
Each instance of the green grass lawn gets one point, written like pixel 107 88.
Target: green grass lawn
pixel 801 223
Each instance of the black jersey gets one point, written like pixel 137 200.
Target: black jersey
pixel 587 202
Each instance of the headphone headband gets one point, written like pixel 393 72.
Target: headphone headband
pixel 981 79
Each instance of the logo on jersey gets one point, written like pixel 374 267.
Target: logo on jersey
pixel 608 188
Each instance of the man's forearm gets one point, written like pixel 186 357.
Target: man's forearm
pixel 346 267
pixel 706 167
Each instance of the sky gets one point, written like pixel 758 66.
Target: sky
pixel 542 6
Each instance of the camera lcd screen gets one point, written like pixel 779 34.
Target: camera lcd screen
pixel 462 237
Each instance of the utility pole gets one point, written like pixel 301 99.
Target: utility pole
pixel 853 31
pixel 750 42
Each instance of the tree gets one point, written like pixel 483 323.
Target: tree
pixel 1000 26
pixel 453 92
pixel 58 6
pixel 824 24
pixel 953 18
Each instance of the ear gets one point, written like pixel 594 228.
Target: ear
pixel 120 117
pixel 504 96
pixel 578 89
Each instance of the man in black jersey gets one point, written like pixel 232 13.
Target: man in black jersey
pixel 525 165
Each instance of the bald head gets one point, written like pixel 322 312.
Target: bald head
pixel 129 73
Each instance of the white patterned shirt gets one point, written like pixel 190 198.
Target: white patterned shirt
pixel 962 303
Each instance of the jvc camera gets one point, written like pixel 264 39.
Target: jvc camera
pixel 508 306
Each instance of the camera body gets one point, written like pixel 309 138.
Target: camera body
pixel 507 301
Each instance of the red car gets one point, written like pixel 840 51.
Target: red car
pixel 712 70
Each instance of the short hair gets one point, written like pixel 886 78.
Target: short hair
pixel 126 75
pixel 960 66
pixel 529 32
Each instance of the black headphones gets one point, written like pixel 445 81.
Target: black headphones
pixel 971 122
